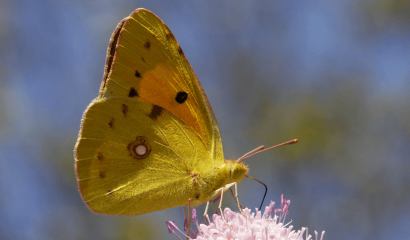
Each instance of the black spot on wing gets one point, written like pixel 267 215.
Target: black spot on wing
pixel 181 97
pixel 132 92
pixel 147 44
pixel 111 123
pixel 125 110
pixel 100 157
pixel 155 112
pixel 143 60
pixel 101 174
pixel 138 74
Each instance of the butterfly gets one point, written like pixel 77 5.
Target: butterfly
pixel 150 140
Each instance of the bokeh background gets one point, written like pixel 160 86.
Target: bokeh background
pixel 334 74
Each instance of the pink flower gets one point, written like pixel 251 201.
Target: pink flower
pixel 253 226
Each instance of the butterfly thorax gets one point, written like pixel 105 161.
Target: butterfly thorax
pixel 211 182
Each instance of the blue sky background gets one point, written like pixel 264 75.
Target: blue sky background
pixel 334 74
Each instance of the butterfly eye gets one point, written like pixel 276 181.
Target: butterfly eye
pixel 139 148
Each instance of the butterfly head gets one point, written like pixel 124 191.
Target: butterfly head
pixel 237 171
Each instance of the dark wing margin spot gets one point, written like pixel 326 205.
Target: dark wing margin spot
pixel 138 74
pixel 181 97
pixel 111 51
pixel 155 112
pixel 170 36
pixel 147 45
pixel 125 110
pixel 180 50
pixel 132 92
pixel 111 123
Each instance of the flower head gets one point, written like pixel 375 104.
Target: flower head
pixel 270 225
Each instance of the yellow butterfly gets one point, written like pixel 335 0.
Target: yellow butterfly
pixel 150 140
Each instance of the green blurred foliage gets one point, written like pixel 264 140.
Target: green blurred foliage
pixel 386 13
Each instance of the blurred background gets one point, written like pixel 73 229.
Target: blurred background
pixel 334 74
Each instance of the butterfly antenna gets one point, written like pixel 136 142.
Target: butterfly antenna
pixel 263 149
pixel 266 190
pixel 246 154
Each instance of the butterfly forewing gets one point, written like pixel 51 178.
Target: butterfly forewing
pixel 145 61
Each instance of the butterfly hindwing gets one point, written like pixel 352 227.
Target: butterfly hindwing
pixel 114 179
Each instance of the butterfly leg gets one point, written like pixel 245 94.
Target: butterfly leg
pixel 237 199
pixel 183 208
pixel 206 213
pixel 220 204
pixel 189 220
pixel 221 191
